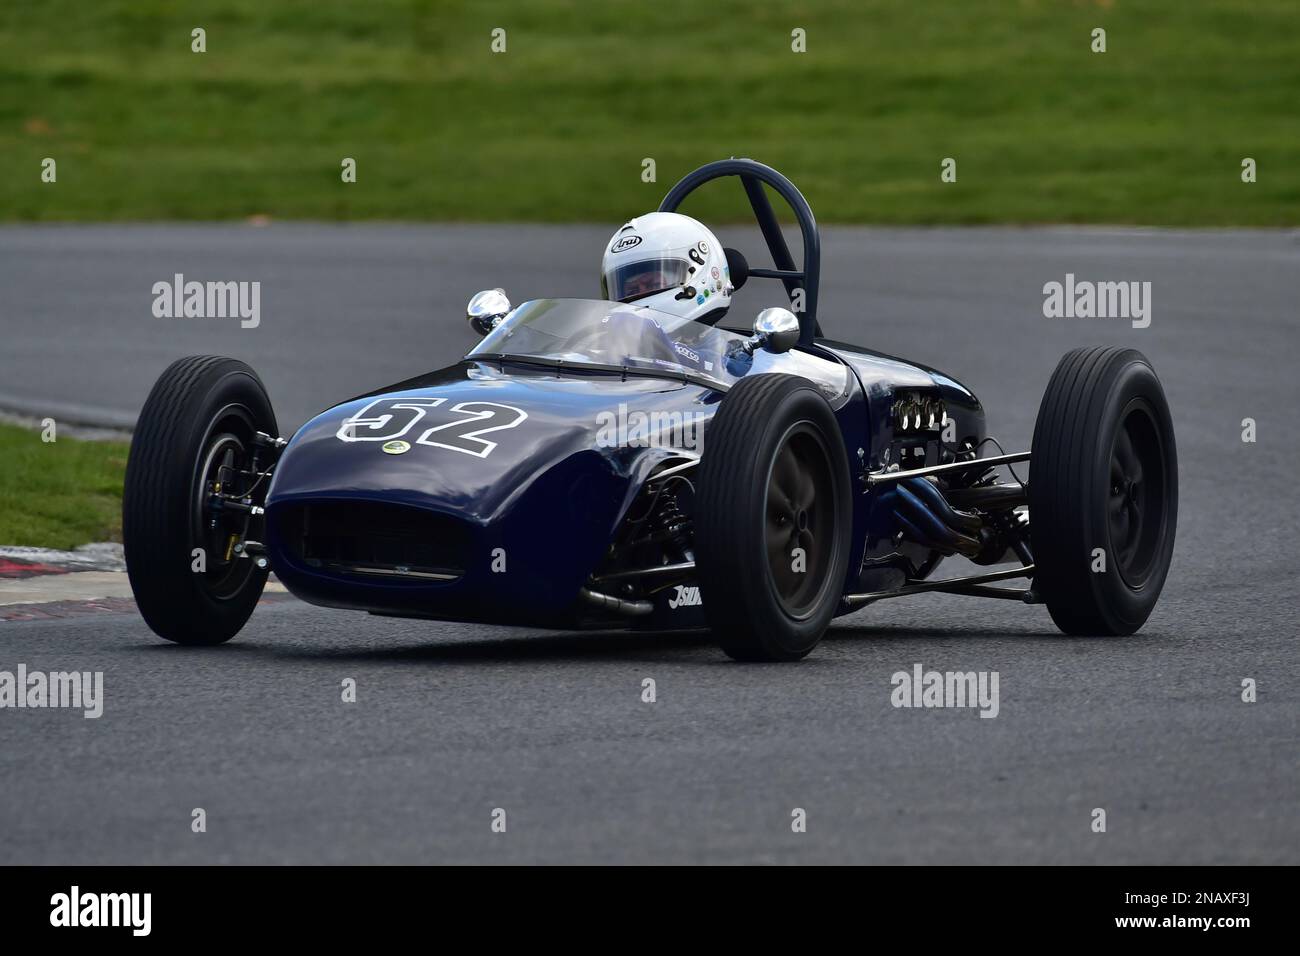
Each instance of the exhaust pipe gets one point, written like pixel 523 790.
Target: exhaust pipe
pixel 616 604
pixel 924 516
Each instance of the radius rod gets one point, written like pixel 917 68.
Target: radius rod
pixel 880 477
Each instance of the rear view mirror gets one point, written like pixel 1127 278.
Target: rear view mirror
pixel 776 330
pixel 486 309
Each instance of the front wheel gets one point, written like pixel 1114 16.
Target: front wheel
pixel 1103 492
pixel 772 519
pixel 195 442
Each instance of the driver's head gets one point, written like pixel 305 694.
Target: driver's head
pixel 668 262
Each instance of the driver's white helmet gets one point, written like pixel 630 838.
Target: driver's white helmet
pixel 668 262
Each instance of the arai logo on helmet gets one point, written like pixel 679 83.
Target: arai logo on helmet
pixel 625 243
pixel 395 447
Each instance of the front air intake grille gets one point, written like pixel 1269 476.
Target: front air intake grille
pixel 376 539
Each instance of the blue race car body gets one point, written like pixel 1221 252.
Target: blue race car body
pixel 496 489
pixel 602 464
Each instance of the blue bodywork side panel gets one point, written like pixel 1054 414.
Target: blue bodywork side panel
pixel 549 495
pixel 533 515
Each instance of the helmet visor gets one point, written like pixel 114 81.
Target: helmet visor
pixel 639 279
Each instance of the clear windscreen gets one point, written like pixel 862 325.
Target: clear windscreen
pixel 611 333
pixel 620 335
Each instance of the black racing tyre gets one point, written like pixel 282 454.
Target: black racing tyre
pixel 196 429
pixel 1103 492
pixel 774 477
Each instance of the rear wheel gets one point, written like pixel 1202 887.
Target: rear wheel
pixel 772 519
pixel 195 440
pixel 1103 492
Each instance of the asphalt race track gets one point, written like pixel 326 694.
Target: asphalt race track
pixel 452 722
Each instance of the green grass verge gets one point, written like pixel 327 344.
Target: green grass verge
pixel 1152 131
pixel 59 494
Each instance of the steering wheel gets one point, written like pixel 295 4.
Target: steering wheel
pixel 752 176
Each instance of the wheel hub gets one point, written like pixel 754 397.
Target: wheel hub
pixel 798 532
pixel 1136 504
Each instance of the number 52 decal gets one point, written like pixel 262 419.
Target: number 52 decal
pixel 387 418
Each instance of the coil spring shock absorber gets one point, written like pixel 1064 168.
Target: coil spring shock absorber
pixel 671 524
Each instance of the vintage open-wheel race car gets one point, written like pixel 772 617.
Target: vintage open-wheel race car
pixel 599 464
